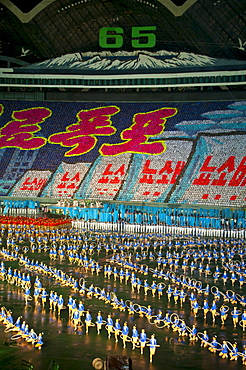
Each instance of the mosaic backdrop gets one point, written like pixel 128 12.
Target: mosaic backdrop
pixel 190 153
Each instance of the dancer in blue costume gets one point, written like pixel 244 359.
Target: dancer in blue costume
pixel 223 314
pixel 134 337
pixel 167 321
pixel 244 357
pixel 205 308
pixel 234 352
pixel 99 322
pixel 195 308
pixel 169 292
pixel 44 295
pixel 117 329
pixel 40 342
pixel 60 304
pixel 224 350
pixel 193 333
pixel 152 347
pixel 213 310
pixel 235 313
pixel 109 325
pixel 205 339
pixel 125 332
pixel 88 319
pixel 143 340
pixel 244 319
pixel 76 318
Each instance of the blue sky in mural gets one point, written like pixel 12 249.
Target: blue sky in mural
pixel 217 121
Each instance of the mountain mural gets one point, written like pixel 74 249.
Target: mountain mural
pixel 132 61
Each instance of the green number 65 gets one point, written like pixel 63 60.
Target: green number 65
pixel 112 37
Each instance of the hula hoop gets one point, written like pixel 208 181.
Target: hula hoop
pixel 194 281
pixel 79 324
pixel 153 317
pixel 139 258
pixel 184 295
pixel 112 329
pixel 224 296
pixel 137 344
pixel 200 336
pixel 10 328
pixel 241 324
pixel 143 309
pixel 25 249
pixel 16 336
pixel 227 309
pixel 241 354
pixel 239 297
pixel 229 345
pixel 228 295
pixel 224 266
pixel 174 315
pixel 219 346
pixel 136 309
pixel 188 329
pixel 216 275
pixel 238 312
pixel 199 287
pixel 160 324
pixel 128 339
pixel 128 302
pixel 177 322
pixel 81 281
pixel 217 289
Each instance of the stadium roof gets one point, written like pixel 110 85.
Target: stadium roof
pixel 42 30
pixel 71 43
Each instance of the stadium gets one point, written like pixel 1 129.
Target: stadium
pixel 122 184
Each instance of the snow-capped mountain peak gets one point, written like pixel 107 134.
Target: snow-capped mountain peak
pixel 135 61
pixel 60 61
